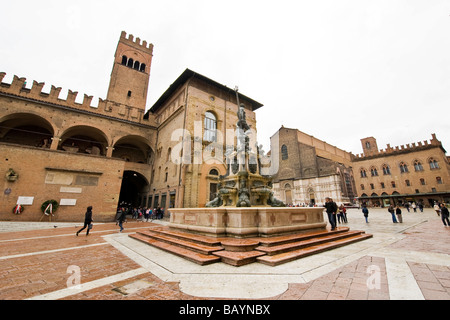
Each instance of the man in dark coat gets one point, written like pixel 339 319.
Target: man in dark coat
pixel 331 209
pixel 87 220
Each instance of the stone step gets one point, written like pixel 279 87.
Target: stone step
pixel 186 244
pixel 303 243
pixel 279 240
pixel 199 258
pixel 238 258
pixel 281 258
pixel 204 240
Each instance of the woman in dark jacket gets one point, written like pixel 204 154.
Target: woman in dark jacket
pixel 87 220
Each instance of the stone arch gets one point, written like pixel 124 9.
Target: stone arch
pixel 26 129
pixel 133 148
pixel 84 139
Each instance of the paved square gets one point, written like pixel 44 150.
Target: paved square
pixel 402 261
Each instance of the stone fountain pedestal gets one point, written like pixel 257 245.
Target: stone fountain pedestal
pixel 245 222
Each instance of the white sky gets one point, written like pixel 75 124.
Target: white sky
pixel 337 70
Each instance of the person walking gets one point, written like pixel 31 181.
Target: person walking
pixel 87 221
pixel 414 206
pixel 121 219
pixel 341 215
pixel 420 206
pixel 398 212
pixel 444 215
pixel 331 209
pixel 392 212
pixel 365 212
pixel 437 208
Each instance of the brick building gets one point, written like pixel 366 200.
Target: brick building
pixel 53 148
pixel 310 169
pixel 417 172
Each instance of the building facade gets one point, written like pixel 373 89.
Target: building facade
pixel 79 155
pixel 418 172
pixel 310 169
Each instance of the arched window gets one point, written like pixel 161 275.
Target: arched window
pixel 214 172
pixel 210 127
pixel 418 166
pixel 142 67
pixel 373 172
pixel 439 180
pixel 386 170
pixel 124 60
pixel 433 164
pixel 363 173
pixel 284 152
pixel 137 64
pixel 403 167
pixel 130 63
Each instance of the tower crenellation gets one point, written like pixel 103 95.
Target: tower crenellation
pixel 409 147
pixel 127 94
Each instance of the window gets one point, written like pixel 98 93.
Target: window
pixel 373 172
pixel 386 170
pixel 408 183
pixel 367 145
pixel 418 166
pixel 130 63
pixel 362 187
pixel 210 127
pixel 129 94
pixel 363 173
pixel 422 181
pixel 393 184
pixel 438 180
pixel 372 186
pixel 137 64
pixel 284 152
pixel 382 185
pixel 142 67
pixel 214 172
pixel 124 60
pixel 433 164
pixel 403 167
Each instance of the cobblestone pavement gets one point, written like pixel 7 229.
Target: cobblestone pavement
pixel 46 261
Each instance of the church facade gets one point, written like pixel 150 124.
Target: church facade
pixel 117 152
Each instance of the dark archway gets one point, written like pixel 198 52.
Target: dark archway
pixel 134 186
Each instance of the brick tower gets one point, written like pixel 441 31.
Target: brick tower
pixel 131 72
pixel 369 146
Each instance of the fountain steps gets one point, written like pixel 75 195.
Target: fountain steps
pixel 272 251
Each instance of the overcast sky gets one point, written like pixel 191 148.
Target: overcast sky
pixel 337 70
